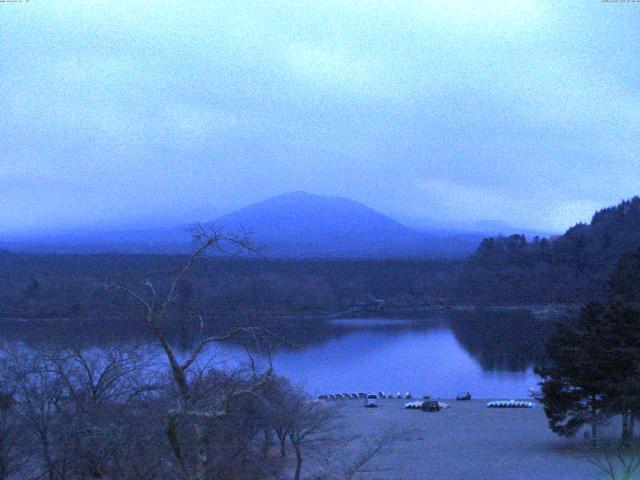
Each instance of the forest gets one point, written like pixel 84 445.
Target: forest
pixel 70 286
pixel 572 268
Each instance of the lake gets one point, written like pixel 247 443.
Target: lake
pixel 441 356
pixel 491 355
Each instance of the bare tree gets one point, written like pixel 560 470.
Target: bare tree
pixel 349 457
pixel 38 396
pixel 9 436
pixel 617 462
pixel 311 422
pixel 101 387
pixel 157 308
pixel 77 411
pixel 110 413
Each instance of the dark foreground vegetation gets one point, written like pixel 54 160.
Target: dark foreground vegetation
pixel 114 414
pixel 118 412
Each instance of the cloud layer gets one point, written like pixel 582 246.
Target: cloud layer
pixel 116 113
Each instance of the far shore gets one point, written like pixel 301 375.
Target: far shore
pixel 540 311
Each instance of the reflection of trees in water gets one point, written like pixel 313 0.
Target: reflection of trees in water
pixel 289 334
pixel 503 341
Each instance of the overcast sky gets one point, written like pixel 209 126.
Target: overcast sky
pixel 142 112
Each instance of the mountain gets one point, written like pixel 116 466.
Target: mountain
pixel 296 224
pixel 484 228
pixel 301 224
pixel 571 268
pixel 499 228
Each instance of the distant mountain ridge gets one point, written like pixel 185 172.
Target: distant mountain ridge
pixel 291 225
pixel 302 224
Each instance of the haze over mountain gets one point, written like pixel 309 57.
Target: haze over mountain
pixel 302 224
pixel 295 224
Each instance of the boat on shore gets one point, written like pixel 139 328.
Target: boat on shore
pixel 510 404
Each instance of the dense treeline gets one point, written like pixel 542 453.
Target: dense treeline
pixel 572 268
pixel 56 286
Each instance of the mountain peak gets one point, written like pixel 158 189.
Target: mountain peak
pixel 296 194
pixel 304 223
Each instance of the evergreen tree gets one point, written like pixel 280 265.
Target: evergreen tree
pixel 596 362
pixel 574 387
pixel 624 283
pixel 619 356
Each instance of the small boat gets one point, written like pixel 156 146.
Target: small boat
pixel 510 404
pixel 463 396
pixel 323 397
pixel 430 406
pixel 426 405
pixel 408 396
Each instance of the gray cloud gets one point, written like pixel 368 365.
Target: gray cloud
pixel 525 111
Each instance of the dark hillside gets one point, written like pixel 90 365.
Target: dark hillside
pixel 572 268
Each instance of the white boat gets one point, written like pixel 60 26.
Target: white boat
pixel 510 404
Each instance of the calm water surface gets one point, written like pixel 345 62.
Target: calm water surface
pixel 490 355
pixel 391 355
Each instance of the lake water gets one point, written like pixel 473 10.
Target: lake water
pixel 489 355
pixel 431 362
pixel 438 357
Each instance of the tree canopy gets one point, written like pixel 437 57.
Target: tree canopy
pixel 596 361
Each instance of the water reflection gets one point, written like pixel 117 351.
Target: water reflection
pixel 488 354
pixel 508 342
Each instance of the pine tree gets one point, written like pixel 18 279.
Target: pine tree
pixel 596 362
pixel 574 387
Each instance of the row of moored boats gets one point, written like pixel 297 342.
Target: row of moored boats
pixel 354 396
